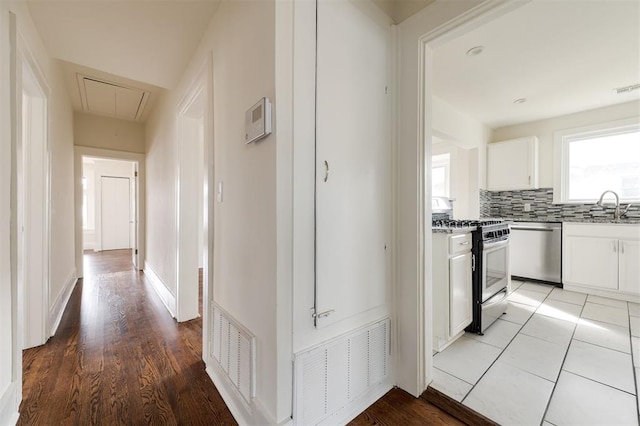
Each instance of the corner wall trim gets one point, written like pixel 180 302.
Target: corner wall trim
pixel 161 289
pixel 57 308
pixel 9 402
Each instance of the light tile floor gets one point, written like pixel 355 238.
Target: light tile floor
pixel 555 358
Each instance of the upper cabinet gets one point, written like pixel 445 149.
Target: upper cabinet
pixel 512 164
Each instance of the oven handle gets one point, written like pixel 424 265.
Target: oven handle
pixel 496 245
pixel 504 290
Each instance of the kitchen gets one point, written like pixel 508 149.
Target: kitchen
pixel 556 335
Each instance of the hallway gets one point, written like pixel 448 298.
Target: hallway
pixel 119 358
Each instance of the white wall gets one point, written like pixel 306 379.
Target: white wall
pixel 108 133
pixel 544 130
pixel 465 139
pixel 61 151
pixel 89 232
pixel 8 383
pixel 242 37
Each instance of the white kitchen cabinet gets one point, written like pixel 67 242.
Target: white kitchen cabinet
pixel 452 287
pixel 512 164
pixel 460 297
pixel 629 266
pixel 602 259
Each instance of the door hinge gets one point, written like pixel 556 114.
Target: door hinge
pixel 386 90
pixel 136 251
pixel 136 174
pixel 473 262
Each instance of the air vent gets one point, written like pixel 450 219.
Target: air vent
pixel 111 99
pixel 626 89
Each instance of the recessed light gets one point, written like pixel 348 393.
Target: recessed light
pixel 475 51
pixel 520 101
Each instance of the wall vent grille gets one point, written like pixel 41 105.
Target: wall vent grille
pixel 234 349
pixel 340 371
pixel 626 89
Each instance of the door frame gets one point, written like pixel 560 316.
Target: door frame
pixel 187 265
pixel 102 215
pixel 32 106
pixel 107 154
pixel 471 19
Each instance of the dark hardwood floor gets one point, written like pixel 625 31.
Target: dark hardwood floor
pixel 118 358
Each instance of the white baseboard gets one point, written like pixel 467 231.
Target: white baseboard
pixel 57 309
pixel 161 289
pixel 9 405
pixel 255 414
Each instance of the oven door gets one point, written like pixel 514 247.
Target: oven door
pixel 495 268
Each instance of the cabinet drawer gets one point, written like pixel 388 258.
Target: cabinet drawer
pixel 459 243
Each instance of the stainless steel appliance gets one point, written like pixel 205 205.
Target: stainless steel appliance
pixel 490 248
pixel 536 251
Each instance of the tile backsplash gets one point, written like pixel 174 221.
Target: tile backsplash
pixel 510 204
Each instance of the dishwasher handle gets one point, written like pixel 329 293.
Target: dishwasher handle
pixel 525 228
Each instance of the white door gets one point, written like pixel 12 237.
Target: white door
pixel 352 161
pixel 460 300
pixel 115 213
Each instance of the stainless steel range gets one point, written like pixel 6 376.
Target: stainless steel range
pixel 490 250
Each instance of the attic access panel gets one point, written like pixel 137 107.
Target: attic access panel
pixel 112 99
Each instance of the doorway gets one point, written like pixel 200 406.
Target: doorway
pixel 109 202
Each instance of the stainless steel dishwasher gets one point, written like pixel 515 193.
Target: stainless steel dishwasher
pixel 536 251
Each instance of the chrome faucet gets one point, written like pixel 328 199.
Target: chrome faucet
pixel 617 214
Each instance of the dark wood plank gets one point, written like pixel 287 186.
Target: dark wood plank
pixel 455 408
pixel 119 358
pixel 399 408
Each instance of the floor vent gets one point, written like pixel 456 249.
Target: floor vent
pixel 234 348
pixel 333 375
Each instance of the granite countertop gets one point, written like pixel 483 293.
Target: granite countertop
pixel 443 230
pixel 623 221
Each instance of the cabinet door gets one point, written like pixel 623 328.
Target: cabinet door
pixel 460 298
pixel 591 262
pixel 512 165
pixel 630 266
pixel 353 151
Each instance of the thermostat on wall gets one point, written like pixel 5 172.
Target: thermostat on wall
pixel 257 121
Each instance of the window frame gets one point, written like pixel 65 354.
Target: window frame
pixel 563 138
pixel 445 162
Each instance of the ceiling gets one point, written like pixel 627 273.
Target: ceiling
pixel 399 10
pixel 97 92
pixel 146 41
pixel 562 56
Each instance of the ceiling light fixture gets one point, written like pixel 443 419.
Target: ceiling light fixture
pixel 520 101
pixel 475 51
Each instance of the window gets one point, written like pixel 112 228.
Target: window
pixel 440 175
pixel 598 158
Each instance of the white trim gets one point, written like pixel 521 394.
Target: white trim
pixel 561 140
pixel 613 294
pixel 58 307
pixel 255 414
pixel 9 404
pixel 161 289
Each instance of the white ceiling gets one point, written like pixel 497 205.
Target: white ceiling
pixel 562 56
pixel 147 41
pixel 399 10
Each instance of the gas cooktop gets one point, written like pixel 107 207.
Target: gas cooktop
pixel 451 223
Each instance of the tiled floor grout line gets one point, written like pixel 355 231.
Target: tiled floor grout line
pixel 506 346
pixel 633 363
pixel 555 384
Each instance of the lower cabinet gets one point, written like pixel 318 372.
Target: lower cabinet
pixel 602 257
pixel 452 287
